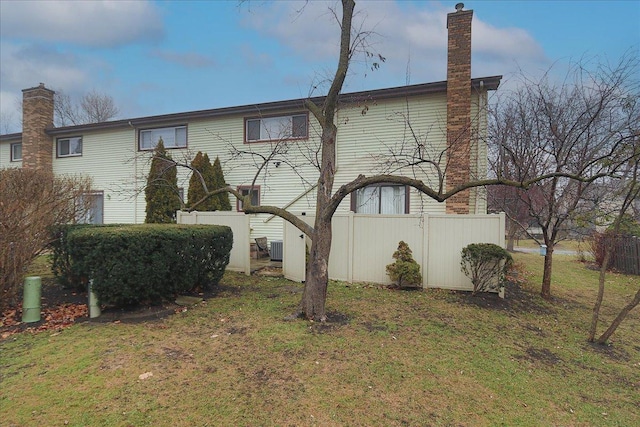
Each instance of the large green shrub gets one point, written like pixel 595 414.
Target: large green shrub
pixel 136 263
pixel 213 178
pixel 405 271
pixel 161 193
pixel 486 265
pixel 61 263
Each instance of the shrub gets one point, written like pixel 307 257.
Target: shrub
pixel 213 178
pixel 405 271
pixel 137 263
pixel 486 265
pixel 161 193
pixel 62 265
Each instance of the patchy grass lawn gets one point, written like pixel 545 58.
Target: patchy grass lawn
pixel 386 357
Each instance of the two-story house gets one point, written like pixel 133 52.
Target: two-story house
pixel 372 125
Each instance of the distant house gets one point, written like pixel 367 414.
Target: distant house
pixel 116 153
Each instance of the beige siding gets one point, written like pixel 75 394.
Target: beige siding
pixel 5 157
pixel 109 157
pixel 365 141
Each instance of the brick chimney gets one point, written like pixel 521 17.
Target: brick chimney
pixel 37 116
pixel 459 106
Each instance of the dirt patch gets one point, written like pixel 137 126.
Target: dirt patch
pixel 611 351
pixel 517 300
pixel 542 355
pixel 62 307
pixel 334 321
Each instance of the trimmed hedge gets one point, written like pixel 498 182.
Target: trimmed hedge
pixel 62 266
pixel 130 264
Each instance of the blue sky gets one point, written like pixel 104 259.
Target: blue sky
pixel 157 57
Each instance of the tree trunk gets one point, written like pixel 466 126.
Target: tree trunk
pixel 596 307
pixel 621 316
pixel 314 296
pixel 546 276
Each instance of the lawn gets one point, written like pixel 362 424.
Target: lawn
pixel 387 357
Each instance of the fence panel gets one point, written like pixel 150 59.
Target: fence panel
pixel 627 255
pixel 363 245
pixel 449 234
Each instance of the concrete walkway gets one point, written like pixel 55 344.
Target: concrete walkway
pixel 537 251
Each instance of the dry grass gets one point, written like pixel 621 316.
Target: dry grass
pixel 386 358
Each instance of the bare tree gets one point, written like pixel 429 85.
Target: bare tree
pixel 93 107
pixel 626 192
pixel 98 107
pixel 32 201
pixel 8 122
pixel 574 128
pixel 410 161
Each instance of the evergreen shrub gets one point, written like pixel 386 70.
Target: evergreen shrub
pixel 161 192
pixel 405 271
pixel 131 264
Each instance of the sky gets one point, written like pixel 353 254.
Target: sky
pixel 160 57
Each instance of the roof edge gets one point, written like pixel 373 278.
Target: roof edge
pixel 480 83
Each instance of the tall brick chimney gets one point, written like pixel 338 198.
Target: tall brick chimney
pixel 458 106
pixel 37 116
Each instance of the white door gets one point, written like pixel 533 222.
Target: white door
pixel 293 253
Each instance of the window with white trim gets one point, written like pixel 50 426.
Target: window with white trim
pixel 93 208
pixel 69 147
pixel 381 199
pixel 295 126
pixel 172 137
pixel 255 195
pixel 16 152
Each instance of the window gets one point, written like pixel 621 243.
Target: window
pixel 255 195
pixel 277 128
pixel 69 147
pixel 172 137
pixel 381 199
pixel 16 152
pixel 92 211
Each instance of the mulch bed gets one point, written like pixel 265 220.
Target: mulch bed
pixel 61 308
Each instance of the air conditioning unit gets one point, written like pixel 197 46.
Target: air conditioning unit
pixel 276 250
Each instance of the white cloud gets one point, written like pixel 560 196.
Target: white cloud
pixel 412 38
pixel 27 65
pixel 86 23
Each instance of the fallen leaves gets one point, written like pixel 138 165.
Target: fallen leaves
pixel 52 319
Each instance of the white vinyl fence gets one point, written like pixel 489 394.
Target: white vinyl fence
pixel 363 245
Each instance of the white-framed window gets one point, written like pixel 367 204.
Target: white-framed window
pixel 255 195
pixel 381 199
pixel 16 152
pixel 294 126
pixel 69 147
pixel 172 137
pixel 93 204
